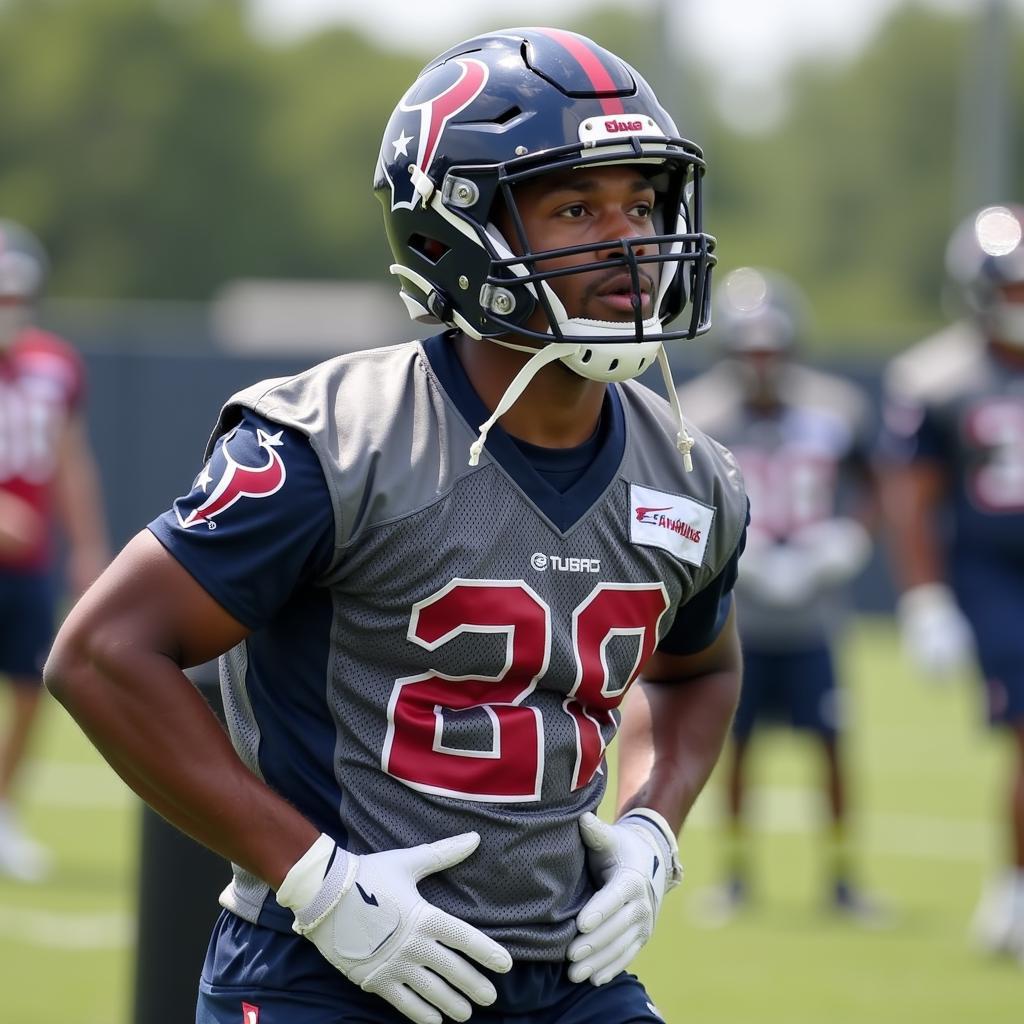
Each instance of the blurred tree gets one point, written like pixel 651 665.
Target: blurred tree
pixel 332 96
pixel 159 148
pixel 130 142
pixel 854 194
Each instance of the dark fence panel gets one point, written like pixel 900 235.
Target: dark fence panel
pixel 151 413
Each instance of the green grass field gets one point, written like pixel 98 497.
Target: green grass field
pixel 928 791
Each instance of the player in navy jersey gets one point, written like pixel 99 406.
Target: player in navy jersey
pixel 432 573
pixel 954 447
pixel 48 484
pixel 803 439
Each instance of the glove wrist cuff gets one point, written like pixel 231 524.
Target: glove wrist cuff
pixel 306 875
pixel 316 882
pixel 655 823
pixel 926 598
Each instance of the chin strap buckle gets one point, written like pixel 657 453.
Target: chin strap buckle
pixel 684 442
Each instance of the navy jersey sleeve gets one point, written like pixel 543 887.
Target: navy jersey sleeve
pixel 911 432
pixel 701 619
pixel 257 523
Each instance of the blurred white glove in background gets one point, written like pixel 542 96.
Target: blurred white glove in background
pixel 936 636
pixel 838 548
pixel 817 557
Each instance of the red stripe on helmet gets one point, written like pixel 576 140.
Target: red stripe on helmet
pixel 441 109
pixel 591 64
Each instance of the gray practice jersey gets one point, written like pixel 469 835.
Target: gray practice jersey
pixel 477 649
pixel 804 462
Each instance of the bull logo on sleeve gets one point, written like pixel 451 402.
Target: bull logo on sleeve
pixel 236 481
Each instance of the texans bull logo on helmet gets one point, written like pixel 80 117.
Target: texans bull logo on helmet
pixel 235 481
pixel 425 124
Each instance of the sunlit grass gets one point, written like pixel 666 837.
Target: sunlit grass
pixel 927 790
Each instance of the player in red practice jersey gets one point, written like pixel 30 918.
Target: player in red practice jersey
pixel 47 477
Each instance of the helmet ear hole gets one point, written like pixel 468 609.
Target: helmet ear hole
pixel 509 115
pixel 431 249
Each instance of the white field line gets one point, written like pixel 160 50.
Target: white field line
pixel 774 809
pixel 777 809
pixel 796 809
pixel 67 930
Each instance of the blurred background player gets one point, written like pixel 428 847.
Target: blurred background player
pixel 954 503
pixel 47 476
pixel 803 441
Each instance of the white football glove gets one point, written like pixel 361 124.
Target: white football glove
pixel 778 575
pixel 366 916
pixel 838 549
pixel 936 636
pixel 813 559
pixel 637 862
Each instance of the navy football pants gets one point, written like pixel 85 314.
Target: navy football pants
pixel 255 975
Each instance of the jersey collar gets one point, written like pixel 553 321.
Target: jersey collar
pixel 564 510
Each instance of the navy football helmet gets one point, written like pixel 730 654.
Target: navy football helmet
pixel 23 264
pixel 984 255
pixel 503 108
pixel 760 318
pixel 758 311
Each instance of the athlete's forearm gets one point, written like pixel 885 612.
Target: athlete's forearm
pixel 157 732
pixel 21 528
pixel 80 508
pixel 671 738
pixel 910 497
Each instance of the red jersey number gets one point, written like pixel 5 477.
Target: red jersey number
pixel 511 770
pixel 996 427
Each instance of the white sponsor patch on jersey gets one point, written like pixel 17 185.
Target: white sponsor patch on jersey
pixel 679 525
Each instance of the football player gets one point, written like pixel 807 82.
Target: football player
pixel 433 572
pixel 954 502
pixel 803 440
pixel 47 480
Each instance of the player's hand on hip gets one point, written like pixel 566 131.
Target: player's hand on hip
pixel 935 634
pixel 636 862
pixel 366 916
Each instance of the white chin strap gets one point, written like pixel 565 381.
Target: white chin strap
pixel 540 359
pixel 568 352
pixel 683 440
pixel 605 361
